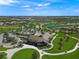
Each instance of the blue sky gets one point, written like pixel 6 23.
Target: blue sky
pixel 39 7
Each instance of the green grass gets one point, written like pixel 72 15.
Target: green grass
pixel 25 54
pixel 32 24
pixel 3 55
pixel 73 55
pixel 75 35
pixel 8 28
pixel 66 45
pixel 3 48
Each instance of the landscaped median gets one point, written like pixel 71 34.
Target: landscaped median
pixel 26 54
pixel 62 43
pixel 73 55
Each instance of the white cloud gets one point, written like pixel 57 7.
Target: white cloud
pixel 7 2
pixel 43 4
pixel 39 4
pixel 27 6
pixel 46 4
pixel 55 12
pixel 30 3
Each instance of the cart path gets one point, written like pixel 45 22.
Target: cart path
pixel 11 52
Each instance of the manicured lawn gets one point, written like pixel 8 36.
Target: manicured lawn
pixel 2 48
pixel 26 54
pixel 73 55
pixel 32 24
pixel 75 35
pixel 8 28
pixel 51 25
pixel 66 43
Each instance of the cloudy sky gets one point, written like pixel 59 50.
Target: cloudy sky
pixel 39 7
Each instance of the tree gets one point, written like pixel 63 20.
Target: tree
pixel 34 55
pixel 1 56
